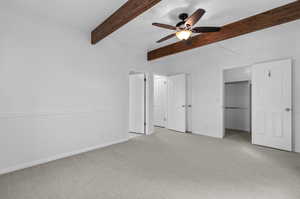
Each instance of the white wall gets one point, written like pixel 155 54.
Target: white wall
pixel 59 95
pixel 206 65
pixel 238 74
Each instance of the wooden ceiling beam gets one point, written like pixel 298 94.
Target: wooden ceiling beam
pixel 274 17
pixel 130 10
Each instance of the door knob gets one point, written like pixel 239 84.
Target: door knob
pixel 288 109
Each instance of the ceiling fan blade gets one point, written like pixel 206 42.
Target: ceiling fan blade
pixel 205 29
pixel 195 17
pixel 166 38
pixel 164 26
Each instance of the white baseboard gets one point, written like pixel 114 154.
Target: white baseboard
pixel 57 157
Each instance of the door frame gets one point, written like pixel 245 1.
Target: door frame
pixel 222 105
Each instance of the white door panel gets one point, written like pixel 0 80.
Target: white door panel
pixel 137 103
pixel 160 101
pixel 177 103
pixel 272 104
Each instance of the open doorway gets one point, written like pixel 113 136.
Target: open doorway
pixel 170 102
pixel 237 104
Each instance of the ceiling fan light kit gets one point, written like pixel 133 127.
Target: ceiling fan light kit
pixel 184 29
pixel 184 34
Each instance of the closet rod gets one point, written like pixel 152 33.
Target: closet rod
pixel 237 108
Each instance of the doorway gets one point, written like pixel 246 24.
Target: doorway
pixel 170 102
pixel 237 104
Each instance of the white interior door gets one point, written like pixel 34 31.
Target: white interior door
pixel 160 101
pixel 137 103
pixel 177 103
pixel 272 105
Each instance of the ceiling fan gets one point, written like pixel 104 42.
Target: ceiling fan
pixel 184 29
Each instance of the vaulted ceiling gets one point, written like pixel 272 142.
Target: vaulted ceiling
pixel 85 15
pixel 140 32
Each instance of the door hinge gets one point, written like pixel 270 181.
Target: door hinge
pixel 145 124
pixel 269 73
pixel 145 79
pixel 288 109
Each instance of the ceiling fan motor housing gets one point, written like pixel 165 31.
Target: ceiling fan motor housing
pixel 183 16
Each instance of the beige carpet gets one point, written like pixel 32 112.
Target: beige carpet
pixel 239 136
pixel 166 165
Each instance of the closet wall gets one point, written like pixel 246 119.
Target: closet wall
pixel 237 106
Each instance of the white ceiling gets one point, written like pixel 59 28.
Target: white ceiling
pixel 87 14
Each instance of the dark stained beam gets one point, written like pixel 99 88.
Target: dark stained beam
pixel 130 10
pixel 274 17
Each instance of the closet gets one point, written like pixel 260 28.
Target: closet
pixel 237 100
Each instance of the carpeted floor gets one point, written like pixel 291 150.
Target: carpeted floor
pixel 165 165
pixel 238 136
